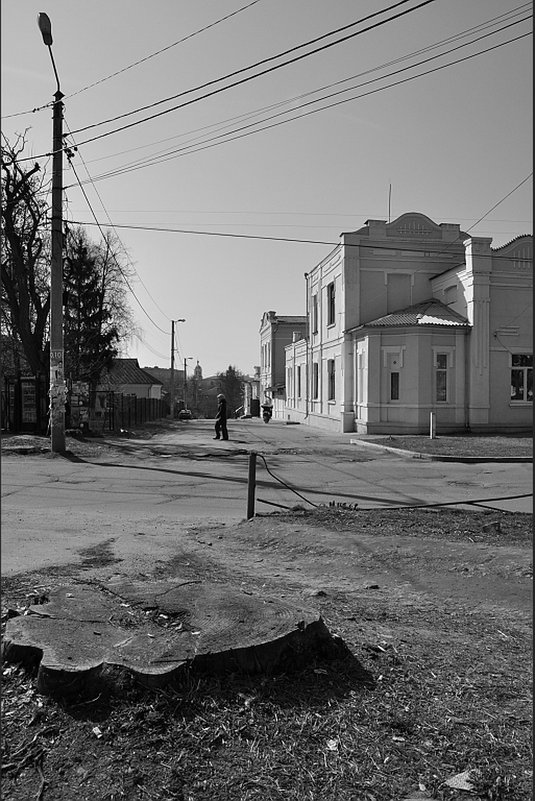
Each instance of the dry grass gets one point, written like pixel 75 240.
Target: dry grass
pixel 450 692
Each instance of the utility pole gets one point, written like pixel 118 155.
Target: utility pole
pixel 172 379
pixel 58 387
pixel 185 387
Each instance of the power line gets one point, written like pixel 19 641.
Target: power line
pixel 260 63
pixel 249 78
pixel 141 61
pixel 501 200
pixel 155 352
pixel 111 223
pixel 228 137
pixel 482 26
pixel 427 249
pixel 125 278
pixel 164 49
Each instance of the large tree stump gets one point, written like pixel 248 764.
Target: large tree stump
pixel 155 630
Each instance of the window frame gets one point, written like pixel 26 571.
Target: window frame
pixel 315 313
pixel 331 380
pixel 526 373
pixel 394 385
pixel 442 372
pixel 315 380
pixel 331 303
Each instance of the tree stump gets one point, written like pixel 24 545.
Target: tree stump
pixel 156 630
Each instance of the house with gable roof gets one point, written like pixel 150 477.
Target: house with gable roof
pixel 126 377
pixel 409 318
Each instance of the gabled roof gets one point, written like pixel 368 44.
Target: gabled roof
pixel 128 371
pixel 429 312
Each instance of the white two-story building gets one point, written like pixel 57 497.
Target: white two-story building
pixel 411 317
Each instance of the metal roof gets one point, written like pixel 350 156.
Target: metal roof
pixel 128 371
pixel 429 312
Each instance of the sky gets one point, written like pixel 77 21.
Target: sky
pixel 451 144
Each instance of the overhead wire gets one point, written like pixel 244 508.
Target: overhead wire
pixel 75 147
pixel 164 49
pixel 225 138
pixel 249 78
pixel 427 249
pixel 268 60
pixel 125 277
pixel 137 63
pixel 261 110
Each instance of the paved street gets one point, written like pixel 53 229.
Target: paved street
pixel 143 491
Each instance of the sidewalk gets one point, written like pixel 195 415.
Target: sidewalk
pixel 439 449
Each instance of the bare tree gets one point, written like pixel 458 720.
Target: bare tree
pixel 25 261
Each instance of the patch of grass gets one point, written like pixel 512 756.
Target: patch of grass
pixel 465 446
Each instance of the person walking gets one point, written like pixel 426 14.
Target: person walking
pixel 221 418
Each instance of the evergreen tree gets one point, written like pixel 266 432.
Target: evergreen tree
pixel 90 333
pixel 231 383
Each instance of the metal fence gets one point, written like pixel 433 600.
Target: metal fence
pixel 24 408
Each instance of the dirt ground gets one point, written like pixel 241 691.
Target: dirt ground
pixel 434 604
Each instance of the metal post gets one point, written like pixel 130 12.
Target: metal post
pixel 251 485
pixel 185 387
pixel 432 425
pixel 172 379
pixel 57 375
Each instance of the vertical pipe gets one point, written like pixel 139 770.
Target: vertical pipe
pixel 251 485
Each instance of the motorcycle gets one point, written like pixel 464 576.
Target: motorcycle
pixel 267 412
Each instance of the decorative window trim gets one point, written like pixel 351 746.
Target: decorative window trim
pixel 393 350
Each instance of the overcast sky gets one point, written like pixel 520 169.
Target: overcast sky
pixel 451 144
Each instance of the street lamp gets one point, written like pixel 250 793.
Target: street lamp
pixel 172 379
pixel 57 389
pixel 186 358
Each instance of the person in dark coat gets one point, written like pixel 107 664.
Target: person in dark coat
pixel 221 418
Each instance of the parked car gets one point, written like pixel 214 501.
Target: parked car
pixel 185 414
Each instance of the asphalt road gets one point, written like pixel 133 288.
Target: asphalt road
pixel 143 492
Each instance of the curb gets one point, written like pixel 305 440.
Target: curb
pixel 432 457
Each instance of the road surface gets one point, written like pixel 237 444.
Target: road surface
pixel 141 493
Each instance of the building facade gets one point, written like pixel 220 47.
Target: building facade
pixel 276 332
pixel 411 318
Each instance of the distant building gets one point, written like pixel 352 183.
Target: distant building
pixel 408 318
pixel 276 332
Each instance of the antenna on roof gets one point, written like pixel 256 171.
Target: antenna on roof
pixel 389 199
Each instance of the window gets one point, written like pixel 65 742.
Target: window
pixel 315 382
pixel 299 382
pixel 315 314
pixel 394 386
pixel 330 304
pixel 441 377
pixel 522 377
pixel 331 380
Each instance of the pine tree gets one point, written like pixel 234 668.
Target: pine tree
pixel 90 333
